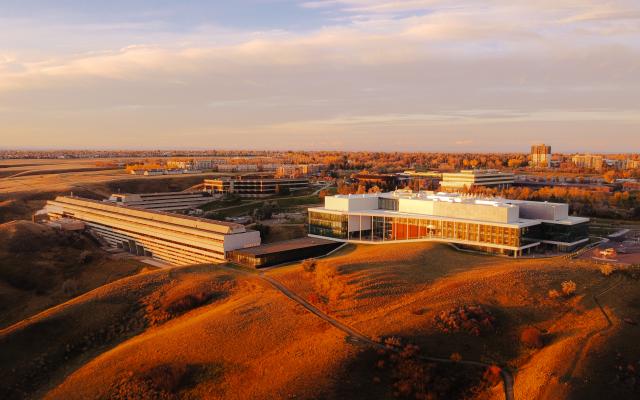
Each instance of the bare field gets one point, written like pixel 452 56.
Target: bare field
pixel 25 185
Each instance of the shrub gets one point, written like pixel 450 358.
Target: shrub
pixel 492 375
pixel 568 288
pixel 607 269
pixel 314 298
pixel 70 287
pixel 531 337
pixel 309 265
pixel 554 294
pixel 85 257
pixel 473 319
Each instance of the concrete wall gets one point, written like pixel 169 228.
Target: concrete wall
pixel 415 206
pixel 351 203
pixel 241 240
pixel 480 212
pixel 543 210
pixel 354 223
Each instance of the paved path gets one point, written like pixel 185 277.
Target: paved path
pixel 359 338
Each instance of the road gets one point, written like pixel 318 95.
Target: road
pixel 357 337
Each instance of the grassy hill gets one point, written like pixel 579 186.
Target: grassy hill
pixel 222 333
pixel 41 267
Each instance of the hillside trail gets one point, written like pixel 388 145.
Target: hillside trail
pixel 358 338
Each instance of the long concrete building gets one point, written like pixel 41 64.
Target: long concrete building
pixel 510 227
pixel 470 178
pixel 167 201
pixel 254 187
pixel 175 239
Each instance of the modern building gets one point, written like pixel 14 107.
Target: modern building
pixel 470 178
pixel 169 201
pixel 510 227
pixel 237 168
pixel 254 187
pixel 541 155
pixel 588 161
pixel 383 181
pixel 282 252
pixel 175 239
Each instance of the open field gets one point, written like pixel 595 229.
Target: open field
pixel 39 180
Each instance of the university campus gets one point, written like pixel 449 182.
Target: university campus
pixel 319 200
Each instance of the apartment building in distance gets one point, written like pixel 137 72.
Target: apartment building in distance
pixel 254 186
pixel 509 227
pixel 167 201
pixel 175 239
pixel 541 155
pixel 297 170
pixel 191 164
pixel 470 178
pixel 588 161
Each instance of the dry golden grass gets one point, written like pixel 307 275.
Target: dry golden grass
pixel 41 267
pixel 399 289
pixel 206 332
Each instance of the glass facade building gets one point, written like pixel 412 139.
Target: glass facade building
pixel 384 221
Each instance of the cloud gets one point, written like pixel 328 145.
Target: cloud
pixel 401 67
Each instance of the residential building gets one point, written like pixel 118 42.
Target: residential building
pixel 470 178
pixel 254 187
pixel 510 227
pixel 237 168
pixel 297 170
pixel 168 201
pixel 541 155
pixel 175 239
pixel 632 164
pixel 191 164
pixel 588 161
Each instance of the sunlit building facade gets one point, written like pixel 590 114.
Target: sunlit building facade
pixel 175 239
pixel 510 227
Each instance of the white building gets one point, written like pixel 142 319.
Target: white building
pixel 470 178
pixel 510 227
pixel 176 239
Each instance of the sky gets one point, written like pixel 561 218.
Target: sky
pixel 379 75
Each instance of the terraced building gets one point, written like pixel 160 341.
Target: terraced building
pixel 510 227
pixel 176 239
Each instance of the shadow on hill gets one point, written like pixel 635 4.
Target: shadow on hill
pixel 41 267
pixel 378 374
pixel 41 351
pixel 166 381
pixel 611 369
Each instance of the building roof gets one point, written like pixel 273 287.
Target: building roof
pixel 173 218
pixel 277 247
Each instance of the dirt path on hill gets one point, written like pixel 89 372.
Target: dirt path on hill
pixel 359 338
pixel 592 334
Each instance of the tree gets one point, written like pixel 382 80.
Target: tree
pixel 531 337
pixel 568 288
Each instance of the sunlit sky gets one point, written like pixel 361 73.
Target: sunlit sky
pixel 423 75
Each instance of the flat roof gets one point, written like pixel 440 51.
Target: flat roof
pixel 156 212
pixel 520 223
pixel 278 247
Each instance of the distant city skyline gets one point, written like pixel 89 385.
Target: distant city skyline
pixel 378 75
